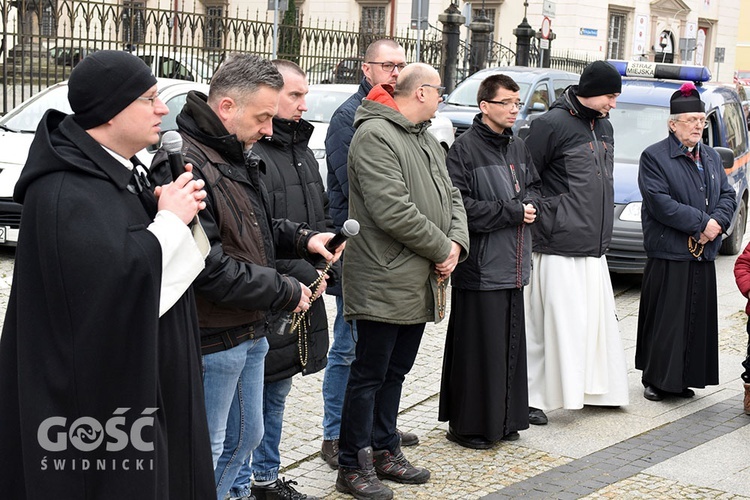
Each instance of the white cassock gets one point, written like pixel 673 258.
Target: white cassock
pixel 575 354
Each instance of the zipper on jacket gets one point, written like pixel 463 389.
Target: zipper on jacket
pixel 595 150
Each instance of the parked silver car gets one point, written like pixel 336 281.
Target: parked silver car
pixel 323 100
pixel 17 130
pixel 539 87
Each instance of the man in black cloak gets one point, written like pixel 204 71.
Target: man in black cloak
pixel 100 378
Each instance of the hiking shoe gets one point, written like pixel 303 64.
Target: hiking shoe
pixel 280 490
pixel 396 467
pixel 330 452
pixel 362 483
pixel 408 438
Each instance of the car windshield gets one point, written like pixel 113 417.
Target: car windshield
pixel 321 105
pixel 466 93
pixel 26 117
pixel 321 66
pixel 637 126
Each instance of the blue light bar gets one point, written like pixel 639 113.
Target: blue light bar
pixel 643 69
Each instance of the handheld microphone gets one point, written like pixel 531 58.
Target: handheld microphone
pixel 171 141
pixel 349 229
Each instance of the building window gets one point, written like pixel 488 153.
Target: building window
pixel 490 13
pixel 372 23
pixel 213 35
pixel 48 23
pixel 134 23
pixel 616 36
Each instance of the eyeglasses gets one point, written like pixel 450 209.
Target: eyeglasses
pixel 692 122
pixel 507 104
pixel 151 99
pixel 440 89
pixel 389 66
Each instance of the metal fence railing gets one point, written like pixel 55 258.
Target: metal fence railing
pixel 42 40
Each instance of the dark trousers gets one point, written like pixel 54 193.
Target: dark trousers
pixel 385 354
pixel 746 363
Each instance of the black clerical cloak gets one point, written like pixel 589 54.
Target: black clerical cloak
pixel 99 396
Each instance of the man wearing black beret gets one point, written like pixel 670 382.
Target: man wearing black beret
pixel 100 378
pixel 575 355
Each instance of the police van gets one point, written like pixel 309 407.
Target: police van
pixel 640 120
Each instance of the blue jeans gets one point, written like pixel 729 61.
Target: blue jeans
pixel 266 457
pixel 233 387
pixel 340 358
pixel 385 354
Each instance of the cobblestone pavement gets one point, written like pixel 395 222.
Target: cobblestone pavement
pixel 592 453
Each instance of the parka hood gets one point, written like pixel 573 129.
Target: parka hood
pixel 379 103
pixel 60 144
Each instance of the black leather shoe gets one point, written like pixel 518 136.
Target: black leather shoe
pixel 408 438
pixel 686 393
pixel 512 436
pixel 537 416
pixel 473 442
pixel 652 393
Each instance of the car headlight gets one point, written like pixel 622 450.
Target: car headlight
pixel 319 153
pixel 632 212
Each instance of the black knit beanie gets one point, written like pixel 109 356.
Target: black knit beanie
pixel 599 78
pixel 104 83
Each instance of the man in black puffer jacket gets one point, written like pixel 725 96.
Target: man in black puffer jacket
pixel 575 354
pixel 295 192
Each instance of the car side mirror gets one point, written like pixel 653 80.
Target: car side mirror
pixel 727 157
pixel 538 107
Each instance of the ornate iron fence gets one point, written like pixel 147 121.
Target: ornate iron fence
pixel 497 55
pixel 42 40
pixel 566 60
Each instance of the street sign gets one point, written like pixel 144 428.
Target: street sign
pixel 283 5
pixel 544 43
pixel 548 8
pixel 719 55
pixel 546 27
pixel 419 14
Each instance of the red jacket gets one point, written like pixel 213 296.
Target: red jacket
pixel 742 274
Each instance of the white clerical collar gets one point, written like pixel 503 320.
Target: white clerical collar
pixel 117 156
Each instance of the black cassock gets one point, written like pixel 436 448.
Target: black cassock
pixel 99 397
pixel 678 340
pixel 484 389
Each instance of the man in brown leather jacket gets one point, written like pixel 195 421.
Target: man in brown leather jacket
pixel 239 285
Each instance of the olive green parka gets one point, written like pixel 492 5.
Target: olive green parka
pixel 408 210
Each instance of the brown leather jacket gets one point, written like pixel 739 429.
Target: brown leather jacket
pixel 239 284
